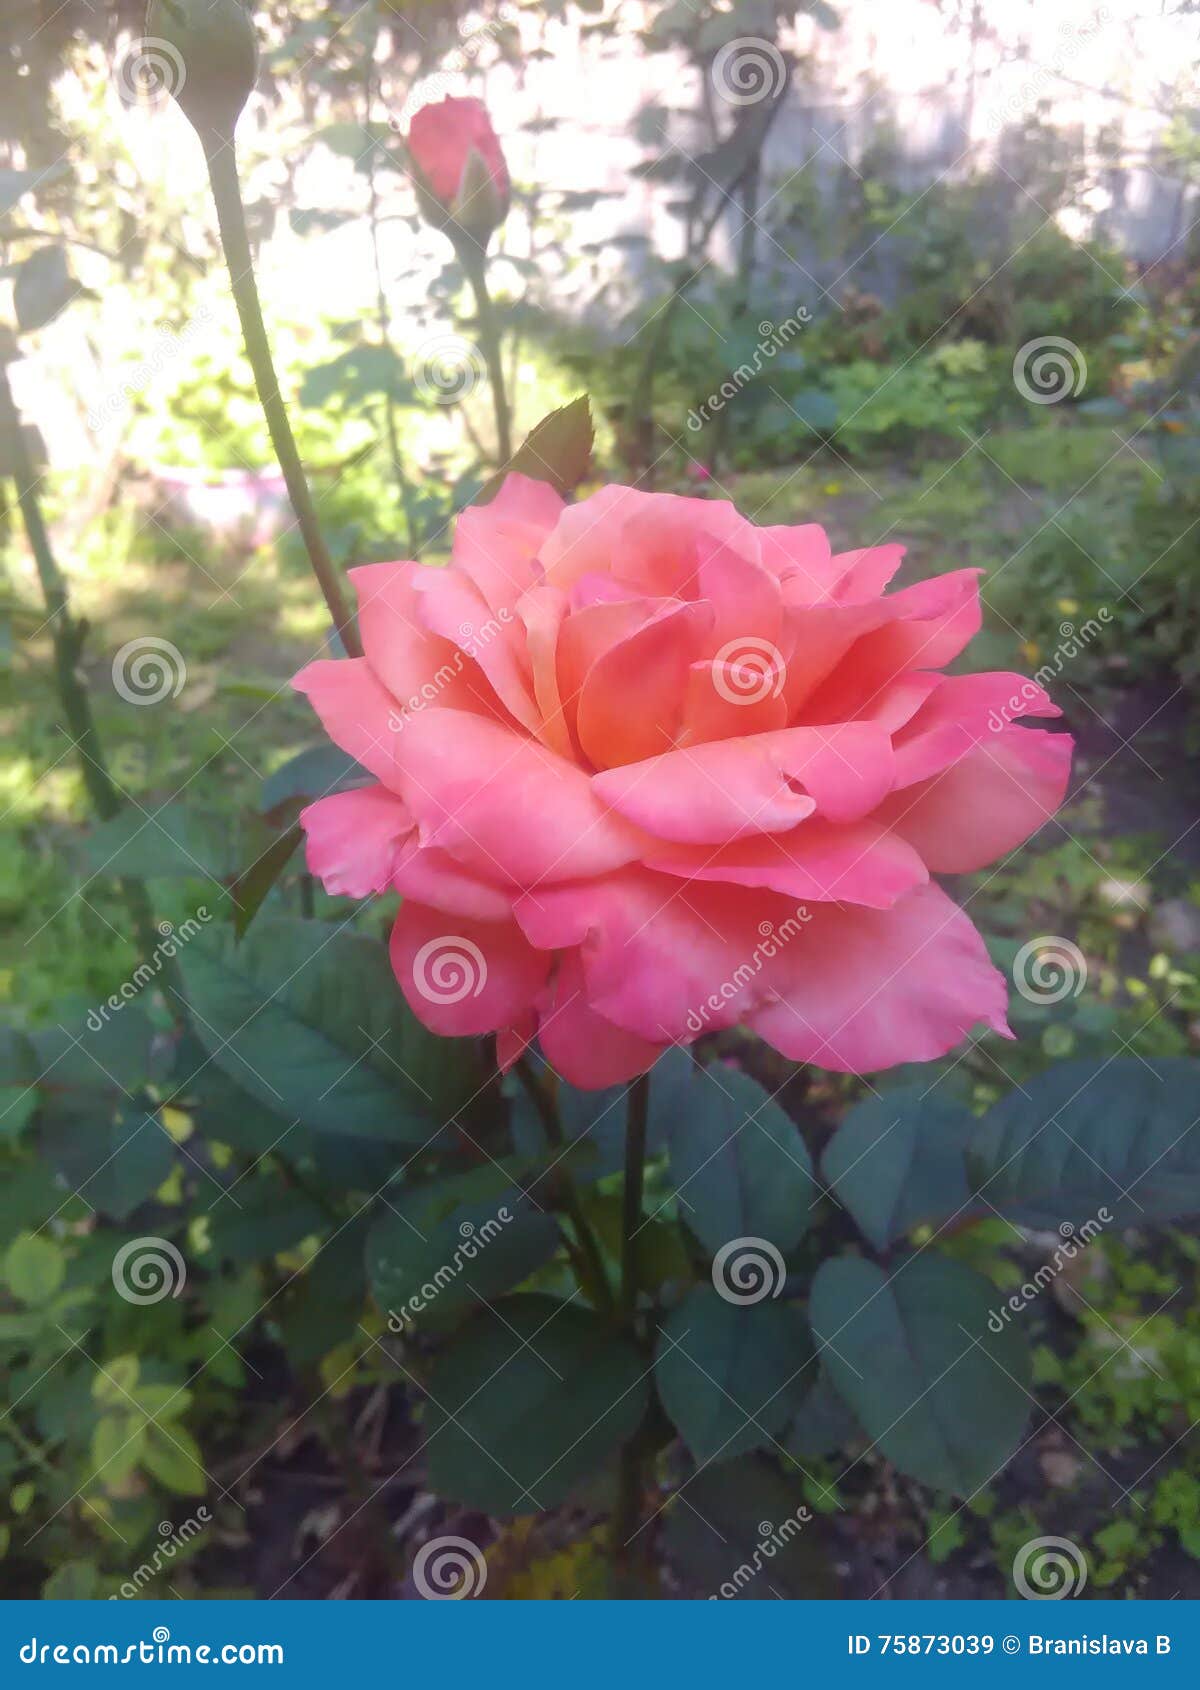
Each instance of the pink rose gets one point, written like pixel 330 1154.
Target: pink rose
pixel 646 771
pixel 459 166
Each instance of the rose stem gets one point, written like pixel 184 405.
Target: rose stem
pixel 221 158
pixel 67 637
pixel 474 262
pixel 585 1254
pixel 624 1525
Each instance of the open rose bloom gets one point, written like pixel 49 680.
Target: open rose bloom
pixel 646 770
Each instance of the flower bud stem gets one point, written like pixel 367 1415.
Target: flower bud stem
pixel 474 262
pixel 231 216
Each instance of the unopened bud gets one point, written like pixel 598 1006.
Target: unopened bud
pixel 215 53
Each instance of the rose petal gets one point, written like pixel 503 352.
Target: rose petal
pixel 352 840
pixel 463 977
pixel 586 1048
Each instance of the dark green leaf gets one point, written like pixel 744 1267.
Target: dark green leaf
pixel 252 885
pixel 1120 1136
pixel 823 1423
pixel 260 1217
pixel 742 1530
pixel 429 1264
pixel 315 772
pixel 731 1375
pixel 309 1020
pixel 739 1164
pixel 172 842
pixel 898 1160
pixel 530 1400
pixel 941 1394
pixel 44 287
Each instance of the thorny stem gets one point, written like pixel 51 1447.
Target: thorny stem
pixel 231 216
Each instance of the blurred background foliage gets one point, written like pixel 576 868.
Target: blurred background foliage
pixel 891 412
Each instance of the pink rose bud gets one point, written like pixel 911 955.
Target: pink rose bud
pixel 458 167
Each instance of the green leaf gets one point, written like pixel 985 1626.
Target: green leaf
pixel 739 1164
pixel 261 1217
pixel 558 450
pixel 897 1160
pixel 117 1445
pixel 316 772
pixel 74 1581
pixel 115 1383
pixel 173 1457
pixel 1119 1136
pixel 34 1268
pixel 309 1020
pixel 252 885
pixel 823 1423
pixel 44 287
pixel 360 374
pixel 731 1375
pixel 425 1265
pixel 743 1531
pixel 532 1398
pixel 940 1393
pixel 170 843
pixel 115 1163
